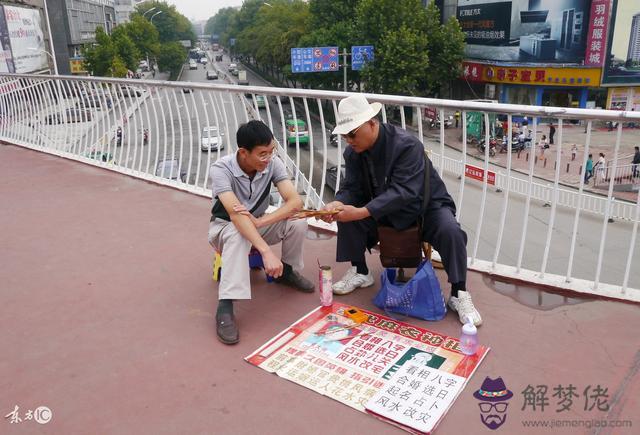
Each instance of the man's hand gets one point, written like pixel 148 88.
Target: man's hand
pixel 350 213
pixel 272 264
pixel 241 209
pixel 332 206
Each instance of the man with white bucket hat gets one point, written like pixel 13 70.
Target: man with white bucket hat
pixel 384 185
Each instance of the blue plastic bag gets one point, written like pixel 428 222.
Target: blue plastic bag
pixel 420 297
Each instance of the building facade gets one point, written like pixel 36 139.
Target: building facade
pixel 74 24
pixel 123 8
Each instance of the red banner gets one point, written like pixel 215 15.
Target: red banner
pixel 478 174
pixel 473 72
pixel 596 48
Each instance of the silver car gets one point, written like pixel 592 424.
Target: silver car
pixel 211 138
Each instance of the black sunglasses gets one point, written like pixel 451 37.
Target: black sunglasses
pixel 352 133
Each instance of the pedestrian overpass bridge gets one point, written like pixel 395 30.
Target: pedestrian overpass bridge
pixel 108 313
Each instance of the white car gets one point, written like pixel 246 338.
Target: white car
pixel 211 138
pixel 193 64
pixel 204 60
pixel 232 67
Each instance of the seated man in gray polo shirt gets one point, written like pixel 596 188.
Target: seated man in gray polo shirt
pixel 241 184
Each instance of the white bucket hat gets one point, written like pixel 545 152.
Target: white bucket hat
pixel 354 111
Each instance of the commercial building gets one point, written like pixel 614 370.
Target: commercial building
pixel 538 52
pixel 74 24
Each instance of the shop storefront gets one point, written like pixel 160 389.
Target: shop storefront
pixel 536 86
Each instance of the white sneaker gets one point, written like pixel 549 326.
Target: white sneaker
pixel 351 281
pixel 463 305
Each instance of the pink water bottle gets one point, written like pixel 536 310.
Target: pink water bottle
pixel 324 285
pixel 469 338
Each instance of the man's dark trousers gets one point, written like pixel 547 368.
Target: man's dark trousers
pixel 441 230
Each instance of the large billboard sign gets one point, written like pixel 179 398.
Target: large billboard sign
pixel 23 48
pixel 623 52
pixel 525 31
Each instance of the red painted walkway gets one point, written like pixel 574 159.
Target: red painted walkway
pixel 107 318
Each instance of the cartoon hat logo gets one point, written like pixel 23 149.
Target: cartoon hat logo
pixel 493 396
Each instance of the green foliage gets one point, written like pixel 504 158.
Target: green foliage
pixel 171 24
pixel 221 23
pixel 124 47
pixel 144 35
pixel 171 57
pixel 414 53
pixel 98 58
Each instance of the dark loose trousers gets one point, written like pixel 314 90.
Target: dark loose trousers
pixel 441 230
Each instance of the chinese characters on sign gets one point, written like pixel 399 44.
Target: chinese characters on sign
pixel 420 369
pixel 537 398
pixel 416 396
pixel 478 72
pixel 478 174
pixel 314 59
pixel 597 36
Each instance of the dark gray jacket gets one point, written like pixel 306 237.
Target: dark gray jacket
pixel 398 160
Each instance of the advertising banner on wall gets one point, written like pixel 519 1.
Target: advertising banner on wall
pixel 531 75
pixel 525 31
pixel 24 30
pixel 598 30
pixel 623 51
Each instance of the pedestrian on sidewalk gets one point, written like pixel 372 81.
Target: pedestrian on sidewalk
pixel 588 169
pixel 552 132
pixel 574 151
pixel 457 116
pixel 544 144
pixel 600 167
pixel 635 162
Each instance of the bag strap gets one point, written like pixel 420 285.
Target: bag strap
pixel 427 191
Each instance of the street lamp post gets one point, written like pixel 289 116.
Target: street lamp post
pixel 154 15
pixel 148 10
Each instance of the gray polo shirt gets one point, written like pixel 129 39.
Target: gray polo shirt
pixel 226 175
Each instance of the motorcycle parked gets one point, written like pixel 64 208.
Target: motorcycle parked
pixel 516 144
pixel 492 146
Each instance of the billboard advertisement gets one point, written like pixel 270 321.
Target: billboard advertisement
pixel 623 51
pixel 24 27
pixel 525 31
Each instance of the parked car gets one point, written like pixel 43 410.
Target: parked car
pixel 168 168
pixel 204 60
pixel 93 100
pixel 72 115
pixel 211 138
pixel 129 91
pixel 212 75
pixel 102 156
pixel 193 64
pixel 331 176
pixel 303 134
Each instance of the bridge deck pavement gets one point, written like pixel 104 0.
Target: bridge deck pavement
pixel 107 318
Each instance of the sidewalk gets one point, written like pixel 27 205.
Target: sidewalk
pixel 602 140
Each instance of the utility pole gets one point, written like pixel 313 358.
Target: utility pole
pixel 344 67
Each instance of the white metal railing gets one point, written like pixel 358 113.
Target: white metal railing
pixel 569 244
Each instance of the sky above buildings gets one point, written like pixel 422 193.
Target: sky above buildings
pixel 201 9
